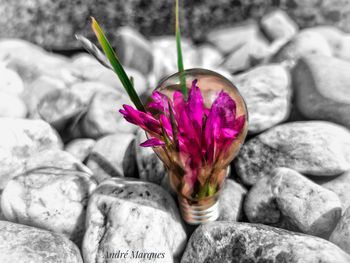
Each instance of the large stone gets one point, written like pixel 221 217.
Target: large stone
pixel 24 244
pixel 10 81
pixel 322 89
pixel 341 233
pixel 311 208
pixel 134 50
pixel 311 148
pixel 231 38
pixel 266 90
pixel 107 156
pixel 12 106
pixel 102 116
pixel 231 201
pixel 132 216
pixel 304 43
pixel 260 205
pixel 278 25
pixel 49 198
pixel 20 139
pixel 339 185
pixel 224 242
pixel 80 148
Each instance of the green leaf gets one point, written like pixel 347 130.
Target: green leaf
pixel 116 65
pixel 174 127
pixel 180 64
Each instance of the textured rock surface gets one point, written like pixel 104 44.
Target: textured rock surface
pixel 80 148
pixel 226 242
pixel 341 233
pixel 267 93
pixel 49 198
pixel 260 205
pixel 106 157
pixel 54 24
pixel 311 148
pixel 12 106
pixel 231 201
pixel 19 139
pixel 132 215
pixel 23 244
pixel 311 208
pixel 339 185
pixel 322 88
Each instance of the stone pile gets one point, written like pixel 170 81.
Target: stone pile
pixel 75 185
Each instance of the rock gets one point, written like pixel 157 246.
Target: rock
pixel 248 54
pixel 150 167
pixel 210 57
pixel 242 242
pixel 85 90
pixel 23 244
pixel 103 118
pixel 231 38
pixel 310 207
pixel 278 25
pixel 10 82
pixel 304 43
pixel 312 148
pixel 37 89
pixel 231 201
pixel 133 216
pixel 321 88
pixel 343 51
pixel 106 157
pixel 59 108
pixel 134 50
pixel 80 148
pixel 54 199
pixel 332 34
pixel 260 205
pixel 12 106
pixel 20 139
pixel 339 185
pixel 341 233
pixel 267 92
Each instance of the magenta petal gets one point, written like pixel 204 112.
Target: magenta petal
pixel 195 108
pixel 159 102
pixel 153 142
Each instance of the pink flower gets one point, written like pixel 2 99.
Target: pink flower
pixel 203 136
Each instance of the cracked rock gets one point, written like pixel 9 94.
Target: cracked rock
pixel 312 148
pixel 225 242
pixel 132 215
pixel 54 199
pixel 341 233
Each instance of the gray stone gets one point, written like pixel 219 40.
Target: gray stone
pixel 322 88
pixel 54 199
pixel 231 201
pixel 23 244
pixel 59 108
pixel 304 43
pixel 312 148
pixel 132 215
pixel 341 233
pixel 267 93
pixel 224 242
pixel 85 90
pixel 278 25
pixel 260 205
pixel 231 38
pixel 12 106
pixel 106 157
pixel 314 210
pixel 102 116
pixel 210 57
pixel 134 50
pixel 339 185
pixel 248 54
pixel 10 81
pixel 80 148
pixel 20 139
